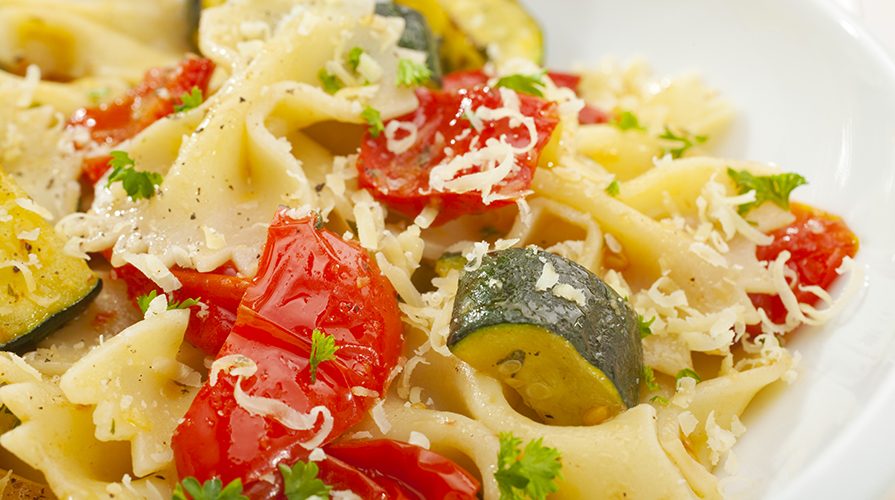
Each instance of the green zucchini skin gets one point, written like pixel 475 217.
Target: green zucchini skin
pixel 53 322
pixel 417 35
pixel 605 332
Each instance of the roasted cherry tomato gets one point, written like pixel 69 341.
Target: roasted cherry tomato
pixel 309 278
pixel 154 98
pixel 467 79
pixel 817 243
pixel 220 291
pixel 420 474
pixel 402 179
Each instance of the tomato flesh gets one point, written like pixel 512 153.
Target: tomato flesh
pixel 402 180
pixel 308 278
pixel 154 98
pixel 817 243
pixel 220 291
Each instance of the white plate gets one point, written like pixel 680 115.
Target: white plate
pixel 816 96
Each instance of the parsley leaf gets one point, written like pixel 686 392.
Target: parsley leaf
pixel 612 189
pixel 686 141
pixel 323 348
pixel 686 372
pixel 331 83
pixel 211 490
pixel 650 378
pixel 136 184
pixel 524 84
pixel 644 326
pixel 658 399
pixel 775 188
pixel 533 475
pixel 354 58
pixel 373 120
pixel 626 120
pixel 411 73
pixel 144 300
pixel 189 101
pixel 300 482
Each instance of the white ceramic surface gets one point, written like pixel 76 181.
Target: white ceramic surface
pixel 815 95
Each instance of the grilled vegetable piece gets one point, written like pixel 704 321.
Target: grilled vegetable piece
pixel 553 331
pixel 44 287
pixel 468 27
pixel 417 35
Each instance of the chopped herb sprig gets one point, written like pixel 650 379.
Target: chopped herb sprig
pixel 773 188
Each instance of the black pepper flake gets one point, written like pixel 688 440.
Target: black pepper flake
pixel 319 187
pixel 193 216
pixel 242 99
pixel 28 246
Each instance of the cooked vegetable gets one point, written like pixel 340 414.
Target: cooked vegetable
pixel 817 243
pixel 469 27
pixel 44 287
pixel 553 331
pixel 417 35
pixel 308 278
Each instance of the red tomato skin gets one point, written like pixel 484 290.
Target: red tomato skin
pixel 402 181
pixel 423 474
pixel 308 279
pixel 112 123
pixel 817 243
pixel 220 291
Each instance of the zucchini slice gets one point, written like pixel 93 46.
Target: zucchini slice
pixel 417 35
pixel 42 286
pixel 571 347
pixel 468 27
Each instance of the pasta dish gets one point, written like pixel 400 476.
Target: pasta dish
pixel 344 249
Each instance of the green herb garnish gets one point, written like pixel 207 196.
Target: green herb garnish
pixel 644 326
pixel 532 475
pixel 373 120
pixel 658 399
pixel 300 482
pixel 626 120
pixel 686 372
pixel 650 378
pixel 774 188
pixel 524 84
pixel 686 141
pixel 136 184
pixel 189 101
pixel 323 348
pixel 211 490
pixel 354 58
pixel 144 300
pixel 331 83
pixel 612 189
pixel 411 73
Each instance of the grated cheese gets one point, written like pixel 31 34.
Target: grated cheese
pixel 379 417
pixel 548 278
pixel 154 269
pixel 568 292
pixel 31 206
pixel 400 146
pixel 317 455
pixel 612 243
pixel 418 439
pixel 687 422
pixel 29 235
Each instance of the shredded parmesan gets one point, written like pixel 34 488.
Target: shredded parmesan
pixel 29 205
pixel 379 417
pixel 568 292
pixel 688 422
pixel 418 439
pixel 400 146
pixel 548 278
pixel 29 235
